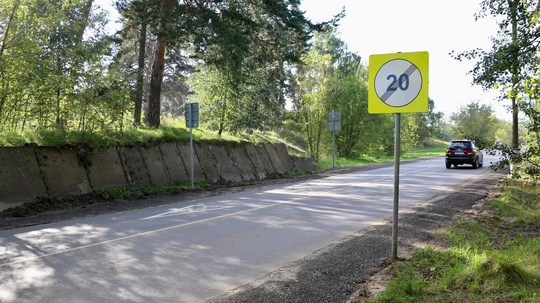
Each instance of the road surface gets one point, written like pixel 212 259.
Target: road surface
pixel 194 251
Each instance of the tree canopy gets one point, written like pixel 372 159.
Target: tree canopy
pixel 476 122
pixel 234 36
pixel 513 57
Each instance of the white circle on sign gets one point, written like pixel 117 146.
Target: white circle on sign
pixel 398 82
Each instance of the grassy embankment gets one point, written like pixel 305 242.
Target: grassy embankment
pixel 494 257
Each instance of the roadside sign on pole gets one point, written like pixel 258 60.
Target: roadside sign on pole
pixel 334 120
pixel 192 115
pixel 398 83
pixel 192 120
pixel 334 125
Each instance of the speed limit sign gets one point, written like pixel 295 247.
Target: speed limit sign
pixel 398 83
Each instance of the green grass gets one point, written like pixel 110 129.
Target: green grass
pixel 326 163
pixel 493 259
pixel 170 131
pixel 436 148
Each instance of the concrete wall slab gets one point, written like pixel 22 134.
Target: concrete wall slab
pixel 303 164
pixel 156 165
pixel 238 155
pixel 134 166
pixel 185 151
pixel 174 164
pixel 284 156
pixel 274 158
pixel 208 162
pixel 20 177
pixel 257 160
pixel 226 169
pixel 63 173
pixel 105 169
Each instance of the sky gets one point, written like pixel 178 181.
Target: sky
pixel 438 27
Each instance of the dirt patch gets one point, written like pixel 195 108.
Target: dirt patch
pixel 374 286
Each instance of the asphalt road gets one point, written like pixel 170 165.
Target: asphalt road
pixel 201 249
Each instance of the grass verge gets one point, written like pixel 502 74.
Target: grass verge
pixel 492 258
pixel 436 148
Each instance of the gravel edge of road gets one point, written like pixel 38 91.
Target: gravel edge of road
pixel 335 273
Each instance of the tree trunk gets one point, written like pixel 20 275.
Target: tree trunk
pixel 515 73
pixel 2 48
pixel 152 117
pixel 6 32
pixel 84 19
pixel 140 76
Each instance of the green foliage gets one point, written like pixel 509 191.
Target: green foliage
pixel 314 106
pixel 518 25
pixel 243 85
pixel 528 157
pixel 51 69
pixel 249 43
pixel 361 132
pixel 475 122
pixel 424 126
pixel 326 162
pixel 512 66
pixel 332 78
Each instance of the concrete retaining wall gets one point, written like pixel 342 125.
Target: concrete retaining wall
pixel 27 173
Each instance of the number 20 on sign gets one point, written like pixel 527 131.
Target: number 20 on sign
pixel 398 83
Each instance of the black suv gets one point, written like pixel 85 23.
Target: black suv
pixel 463 152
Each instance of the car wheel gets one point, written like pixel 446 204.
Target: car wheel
pixel 448 165
pixel 475 163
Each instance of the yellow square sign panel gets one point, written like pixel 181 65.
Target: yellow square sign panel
pixel 398 83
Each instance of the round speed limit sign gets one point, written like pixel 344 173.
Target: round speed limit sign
pixel 398 83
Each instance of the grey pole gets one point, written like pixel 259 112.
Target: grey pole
pixel 397 143
pixel 191 155
pixel 333 148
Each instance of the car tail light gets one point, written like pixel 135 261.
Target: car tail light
pixel 449 152
pixel 469 152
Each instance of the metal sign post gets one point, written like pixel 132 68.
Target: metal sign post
pixel 192 120
pixel 398 83
pixel 334 125
pixel 397 143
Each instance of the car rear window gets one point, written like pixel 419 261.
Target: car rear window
pixel 460 145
